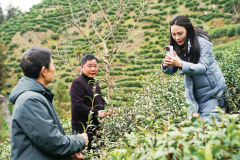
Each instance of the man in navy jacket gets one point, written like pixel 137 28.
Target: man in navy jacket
pixel 36 131
pixel 81 90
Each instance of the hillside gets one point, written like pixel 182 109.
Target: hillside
pixel 144 48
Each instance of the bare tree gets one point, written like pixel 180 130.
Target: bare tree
pixel 236 7
pixel 101 31
pixel 98 21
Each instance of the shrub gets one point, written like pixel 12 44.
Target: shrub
pixel 64 75
pixel 174 11
pixel 53 46
pixel 23 50
pixel 19 75
pixel 14 45
pixel 230 67
pixel 130 41
pixel 200 26
pixel 126 79
pixel 117 69
pixel 9 85
pixel 231 32
pixel 55 36
pixel 160 55
pixel 48 26
pixel 18 70
pixel 214 1
pixel 44 42
pixel 9 52
pixel 129 84
pixel 146 39
pixel 69 79
pixel 193 15
pixel 237 29
pixel 227 16
pixel 60 31
pixel 75 33
pixel 155 50
pixel 12 58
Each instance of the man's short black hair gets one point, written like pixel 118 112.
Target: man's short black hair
pixel 88 57
pixel 33 60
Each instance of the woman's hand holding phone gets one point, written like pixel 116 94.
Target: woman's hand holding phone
pixel 172 60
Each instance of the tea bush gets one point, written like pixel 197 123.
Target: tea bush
pixel 161 97
pixel 190 139
pixel 155 127
pixel 5 150
pixel 230 67
pixel 12 46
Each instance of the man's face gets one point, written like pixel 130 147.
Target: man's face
pixel 50 72
pixel 90 68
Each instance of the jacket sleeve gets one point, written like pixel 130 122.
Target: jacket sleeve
pixel 169 70
pixel 37 123
pixel 206 58
pixel 77 92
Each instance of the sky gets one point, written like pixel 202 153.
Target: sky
pixel 24 5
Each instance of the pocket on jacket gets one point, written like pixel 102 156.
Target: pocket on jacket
pixel 210 77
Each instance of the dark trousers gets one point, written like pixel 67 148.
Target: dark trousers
pixel 90 133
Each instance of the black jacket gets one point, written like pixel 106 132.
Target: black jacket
pixel 81 91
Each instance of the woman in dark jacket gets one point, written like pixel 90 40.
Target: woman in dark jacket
pixel 203 80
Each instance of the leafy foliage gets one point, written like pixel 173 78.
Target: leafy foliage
pixel 61 96
pixel 190 139
pixel 5 150
pixel 3 74
pixel 231 70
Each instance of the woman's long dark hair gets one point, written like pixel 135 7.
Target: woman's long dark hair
pixel 192 34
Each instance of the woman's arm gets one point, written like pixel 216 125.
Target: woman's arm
pixel 206 59
pixel 191 69
pixel 166 68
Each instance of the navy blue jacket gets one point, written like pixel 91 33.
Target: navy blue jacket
pixel 36 131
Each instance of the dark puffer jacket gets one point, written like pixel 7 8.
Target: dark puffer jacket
pixel 36 131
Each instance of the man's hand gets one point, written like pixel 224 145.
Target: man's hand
pixel 102 113
pixel 76 156
pixel 85 136
pixel 109 112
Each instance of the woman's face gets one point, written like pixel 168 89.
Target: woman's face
pixel 179 34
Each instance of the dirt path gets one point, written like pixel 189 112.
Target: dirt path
pixel 7 115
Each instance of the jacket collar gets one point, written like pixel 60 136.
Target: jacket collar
pixel 47 93
pixel 86 77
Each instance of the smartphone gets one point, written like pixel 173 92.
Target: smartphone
pixel 169 50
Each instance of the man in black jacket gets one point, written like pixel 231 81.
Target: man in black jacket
pixel 81 90
pixel 36 131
